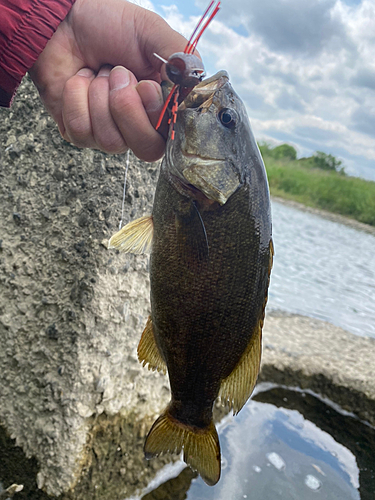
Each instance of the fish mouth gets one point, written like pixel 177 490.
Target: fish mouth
pixel 219 79
pixel 205 90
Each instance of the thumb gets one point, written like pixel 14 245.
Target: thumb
pixel 156 36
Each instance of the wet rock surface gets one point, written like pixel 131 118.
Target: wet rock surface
pixel 114 466
pixel 71 312
pixel 312 354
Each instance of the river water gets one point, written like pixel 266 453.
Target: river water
pixel 323 269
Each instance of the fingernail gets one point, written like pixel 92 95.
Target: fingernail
pixel 86 72
pixel 119 78
pixel 105 71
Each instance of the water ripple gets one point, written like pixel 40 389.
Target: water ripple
pixel 323 269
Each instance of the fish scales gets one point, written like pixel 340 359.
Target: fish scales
pixel 203 315
pixel 210 265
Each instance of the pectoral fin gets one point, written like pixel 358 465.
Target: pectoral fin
pixel 148 351
pixel 236 389
pixel 135 237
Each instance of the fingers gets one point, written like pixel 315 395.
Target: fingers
pixel 132 107
pixel 75 109
pixel 112 111
pixel 153 102
pixel 152 99
pixel 105 132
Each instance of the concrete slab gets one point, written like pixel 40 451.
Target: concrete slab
pixel 309 353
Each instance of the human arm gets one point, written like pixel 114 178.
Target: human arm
pixel 25 28
pixel 92 108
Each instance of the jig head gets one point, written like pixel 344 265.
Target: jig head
pixel 185 69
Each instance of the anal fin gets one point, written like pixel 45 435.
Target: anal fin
pixel 135 237
pixel 236 389
pixel 201 446
pixel 148 352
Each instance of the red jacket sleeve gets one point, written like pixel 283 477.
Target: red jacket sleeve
pixel 25 28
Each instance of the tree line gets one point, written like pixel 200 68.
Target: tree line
pixel 287 153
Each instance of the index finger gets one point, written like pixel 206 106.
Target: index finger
pixel 130 116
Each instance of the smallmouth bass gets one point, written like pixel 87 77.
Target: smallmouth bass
pixel 211 257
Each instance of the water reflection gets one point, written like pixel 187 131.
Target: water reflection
pixel 274 452
pixel 323 269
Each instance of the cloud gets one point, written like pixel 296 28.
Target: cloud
pixel 364 121
pixel 146 4
pixel 365 77
pixel 318 135
pixel 289 100
pixel 294 26
pixel 305 70
pixel 288 26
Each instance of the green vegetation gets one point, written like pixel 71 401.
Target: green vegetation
pixel 318 181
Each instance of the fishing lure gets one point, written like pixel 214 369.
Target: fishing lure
pixel 185 69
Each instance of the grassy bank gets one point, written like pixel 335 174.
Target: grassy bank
pixel 328 190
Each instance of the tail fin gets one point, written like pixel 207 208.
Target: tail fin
pixel 201 446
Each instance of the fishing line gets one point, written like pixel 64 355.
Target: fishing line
pixel 123 194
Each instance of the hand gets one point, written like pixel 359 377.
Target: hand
pixel 99 79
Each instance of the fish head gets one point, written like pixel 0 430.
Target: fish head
pixel 213 145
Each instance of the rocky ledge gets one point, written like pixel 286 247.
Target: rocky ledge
pixel 312 354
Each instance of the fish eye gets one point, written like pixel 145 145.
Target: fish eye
pixel 228 117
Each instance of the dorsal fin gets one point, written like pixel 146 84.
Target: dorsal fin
pixel 135 237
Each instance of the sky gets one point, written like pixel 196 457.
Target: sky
pixel 304 69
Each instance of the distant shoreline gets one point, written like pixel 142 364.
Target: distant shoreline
pixel 347 221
